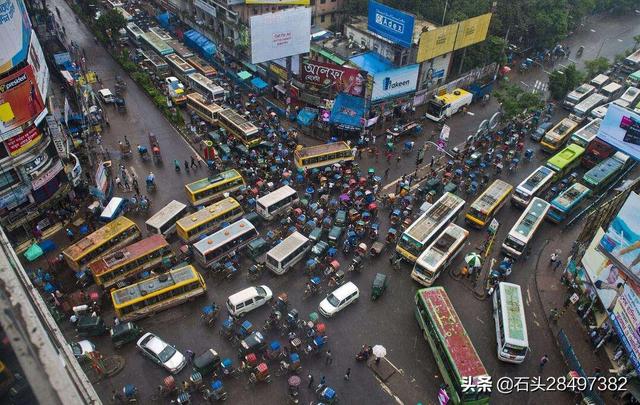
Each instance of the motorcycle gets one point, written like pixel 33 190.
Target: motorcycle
pixel 498 275
pixel 312 287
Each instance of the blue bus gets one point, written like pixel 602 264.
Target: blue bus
pixel 567 202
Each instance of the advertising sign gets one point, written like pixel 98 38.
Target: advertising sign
pixel 39 64
pixel 49 174
pixel 342 79
pixel 472 31
pixel 20 99
pixel 295 64
pixel 394 82
pixel 21 143
pixel 390 23
pixel 15 31
pixel 437 42
pixel 280 2
pixel 621 129
pixel 281 34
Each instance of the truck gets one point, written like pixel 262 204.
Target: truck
pixel 576 96
pixel 480 89
pixel 445 105
pixel 176 90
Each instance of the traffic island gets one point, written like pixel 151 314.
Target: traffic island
pixel 381 368
pixel 394 382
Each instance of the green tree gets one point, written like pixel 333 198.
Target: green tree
pixel 486 52
pixel 636 40
pixel 515 101
pixel 110 23
pixel 596 66
pixel 564 80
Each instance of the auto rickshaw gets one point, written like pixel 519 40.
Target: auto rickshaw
pixel 251 344
pixel 207 363
pixel 378 286
pixel 319 249
pixel 215 391
pixel 334 235
pixel 316 234
pixel 87 326
pixel 376 248
pixel 336 279
pixel 260 374
pixel 328 396
pixel 124 332
pixel 392 235
pixel 356 264
pixel 341 218
pixel 257 247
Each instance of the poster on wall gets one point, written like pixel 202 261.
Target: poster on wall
pixel 342 79
pixel 390 23
pixel 39 64
pixel 621 242
pixel 15 31
pixel 621 129
pixel 20 99
pixel 21 143
pixel 394 82
pixel 280 34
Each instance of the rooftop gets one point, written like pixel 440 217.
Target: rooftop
pixel 360 23
pixel 372 62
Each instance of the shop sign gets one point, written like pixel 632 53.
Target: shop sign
pixel 21 143
pixel 47 176
pixel 278 71
pixel 36 163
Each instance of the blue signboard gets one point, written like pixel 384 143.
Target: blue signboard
pixel 391 23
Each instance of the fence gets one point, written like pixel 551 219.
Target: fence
pixel 574 364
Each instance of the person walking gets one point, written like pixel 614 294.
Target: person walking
pixel 386 173
pixel 557 264
pixel 193 162
pixel 552 259
pixel 347 374
pixel 135 185
pixel 310 379
pixel 544 360
pixel 329 358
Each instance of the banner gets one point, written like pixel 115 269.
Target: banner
pixel 280 34
pixel 39 64
pixel 390 23
pixel 342 79
pixel 15 31
pixel 472 31
pixel 20 99
pixel 280 2
pixel 21 143
pixel 621 129
pixel 394 82
pixel 436 42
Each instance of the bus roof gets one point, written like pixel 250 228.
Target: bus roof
pixel 162 34
pixel 490 197
pixel 160 217
pixel 568 197
pixel 536 178
pixel 462 352
pixel 200 216
pixel 99 236
pixel 205 82
pixel 202 183
pixel 134 250
pixel 427 222
pixel 515 326
pixel 153 284
pixel 589 131
pixel 238 120
pixel 432 256
pixel 289 244
pixel 201 65
pixel 321 149
pixel 180 63
pixel 561 128
pixel 275 196
pixel 214 240
pixel 212 107
pixel 449 98
pixel 565 156
pixel 530 217
pixel 156 43
pixel 133 27
pixel 155 59
pixel 603 170
pixel 180 49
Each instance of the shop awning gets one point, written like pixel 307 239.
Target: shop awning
pixel 280 88
pixel 244 75
pixel 258 83
pixel 333 58
pixel 306 116
pixel 348 111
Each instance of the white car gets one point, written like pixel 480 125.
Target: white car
pixel 161 353
pixel 339 299
pixel 82 348
pixel 106 96
pixel 248 299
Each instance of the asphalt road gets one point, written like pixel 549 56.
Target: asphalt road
pixel 389 321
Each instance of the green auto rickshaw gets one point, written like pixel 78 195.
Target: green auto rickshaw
pixel 123 333
pixel 316 234
pixel 378 286
pixel 257 247
pixel 207 363
pixel 87 326
pixel 334 235
pixel 341 218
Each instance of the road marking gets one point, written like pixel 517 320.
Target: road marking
pixel 536 322
pixel 386 389
pixel 619 40
pixel 592 30
pixel 394 367
pixel 480 320
pixel 528 296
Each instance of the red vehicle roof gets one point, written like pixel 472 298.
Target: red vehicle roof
pixel 127 253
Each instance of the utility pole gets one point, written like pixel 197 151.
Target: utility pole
pixel 446 5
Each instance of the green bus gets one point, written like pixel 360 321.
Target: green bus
pixel 565 161
pixel 602 174
pixel 457 359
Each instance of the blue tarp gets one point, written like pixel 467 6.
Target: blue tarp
pixel 347 111
pixel 372 62
pixel 306 116
pixel 258 83
pixel 164 19
pixel 194 40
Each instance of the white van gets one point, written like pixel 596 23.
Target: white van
pixel 339 299
pixel 599 81
pixel 248 299
pixel 611 91
pixel 628 98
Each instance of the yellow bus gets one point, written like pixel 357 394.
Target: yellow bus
pixel 158 293
pixel 240 127
pixel 118 233
pixel 206 111
pixel 202 67
pixel 557 136
pixel 213 188
pixel 191 227
pixel 144 255
pixel 322 155
pixel 488 204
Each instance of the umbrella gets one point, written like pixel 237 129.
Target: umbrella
pixel 379 351
pixel 344 197
pixel 473 260
pixel 33 252
pixel 294 381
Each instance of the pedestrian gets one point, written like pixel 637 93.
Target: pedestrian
pixel 347 374
pixel 310 378
pixel 193 162
pixel 323 381
pixel 544 360
pixel 373 139
pixel 190 355
pixel 597 373
pixel 69 233
pixel 432 162
pixel 552 259
pixel 117 397
pixel 360 153
pixel 135 186
pixel 386 173
pixel 118 182
pixel 557 264
pixel 398 159
pixel 116 321
pixel 329 358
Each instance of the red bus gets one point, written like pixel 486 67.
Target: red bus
pixel 597 151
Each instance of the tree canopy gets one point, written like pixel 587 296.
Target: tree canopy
pixel 515 102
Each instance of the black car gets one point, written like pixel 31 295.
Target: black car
pixel 538 134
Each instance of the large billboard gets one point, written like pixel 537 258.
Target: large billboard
pixel 394 82
pixel 39 64
pixel 621 129
pixel 390 23
pixel 20 99
pixel 472 31
pixel 280 34
pixel 21 143
pixel 280 2
pixel 342 79
pixel 437 42
pixel 621 242
pixel 15 31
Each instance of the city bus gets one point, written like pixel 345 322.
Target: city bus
pixel 134 33
pixel 117 233
pixel 205 86
pixel 601 175
pixel 180 49
pixel 423 231
pixel 207 111
pixel 201 222
pixel 180 68
pixel 488 204
pixel 158 293
pixel 163 222
pixel 534 185
pixel 597 151
pixel 558 135
pixel 213 188
pixel 439 255
pixel 155 43
pixel 157 64
pixel 202 67
pixel 276 202
pixel 144 255
pixel 311 157
pixel 565 161
pixel 525 228
pixel 240 127
pixel 225 242
pixel 287 253
pixel 511 325
pixel 567 202
pixel 586 134
pixel 457 358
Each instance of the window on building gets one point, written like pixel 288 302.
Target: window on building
pixel 323 1
pixel 403 59
pixel 3 151
pixel 322 18
pixel 8 178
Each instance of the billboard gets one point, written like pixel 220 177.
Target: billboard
pixel 39 64
pixel 390 23
pixel 23 142
pixel 394 82
pixel 20 99
pixel 621 242
pixel 621 129
pixel 472 31
pixel 280 2
pixel 280 34
pixel 342 79
pixel 437 42
pixel 15 31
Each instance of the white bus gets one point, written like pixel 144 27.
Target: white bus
pixel 164 221
pixel 226 242
pixel 205 86
pixel 276 202
pixel 586 134
pixel 523 231
pixel 134 33
pixel 534 185
pixel 287 253
pixel 439 255
pixel 511 325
